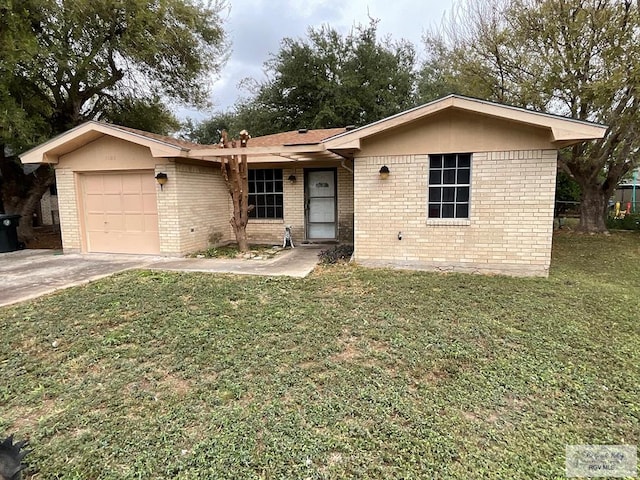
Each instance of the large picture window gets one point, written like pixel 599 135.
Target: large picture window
pixel 449 185
pixel 265 193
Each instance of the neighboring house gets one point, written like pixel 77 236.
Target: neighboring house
pixel 628 191
pixel 47 211
pixel 452 199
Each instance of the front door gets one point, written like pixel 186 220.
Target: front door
pixel 320 204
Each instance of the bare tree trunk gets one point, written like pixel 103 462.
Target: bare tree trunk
pixel 593 210
pixel 235 171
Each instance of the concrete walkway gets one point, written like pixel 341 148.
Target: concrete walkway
pixel 298 262
pixel 28 274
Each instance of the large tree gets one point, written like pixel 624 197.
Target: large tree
pixel 579 58
pixel 68 61
pixel 325 80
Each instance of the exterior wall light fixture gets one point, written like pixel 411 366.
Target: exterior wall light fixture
pixel 384 172
pixel 161 178
pixel 292 179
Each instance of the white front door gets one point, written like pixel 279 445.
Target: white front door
pixel 320 192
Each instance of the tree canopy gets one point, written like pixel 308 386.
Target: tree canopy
pixel 326 80
pixel 579 58
pixel 84 55
pixel 68 61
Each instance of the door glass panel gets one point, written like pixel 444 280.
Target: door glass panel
pixel 322 230
pixel 321 210
pixel 321 205
pixel 321 184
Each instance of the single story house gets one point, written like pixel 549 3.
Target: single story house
pixel 436 187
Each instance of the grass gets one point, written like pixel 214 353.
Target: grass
pixel 349 373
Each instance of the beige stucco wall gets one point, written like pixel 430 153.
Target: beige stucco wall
pixel 511 215
pixel 272 231
pixel 106 154
pixel 453 131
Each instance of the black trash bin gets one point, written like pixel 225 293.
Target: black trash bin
pixel 9 233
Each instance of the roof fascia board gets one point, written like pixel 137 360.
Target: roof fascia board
pixel 353 143
pixel 43 153
pixel 562 129
pixel 257 151
pixel 586 133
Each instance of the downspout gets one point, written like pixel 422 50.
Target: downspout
pixel 343 165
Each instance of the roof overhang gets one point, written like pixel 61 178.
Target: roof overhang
pixel 564 131
pixel 283 153
pixel 51 151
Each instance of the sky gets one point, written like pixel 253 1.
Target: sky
pixel 256 27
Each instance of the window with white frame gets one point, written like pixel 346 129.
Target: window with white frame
pixel 449 185
pixel 265 193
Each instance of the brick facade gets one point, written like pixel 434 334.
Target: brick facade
pixel 271 231
pixel 193 209
pixel 511 186
pixel 68 209
pixel 510 226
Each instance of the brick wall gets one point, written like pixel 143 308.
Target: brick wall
pixel 511 217
pixel 345 205
pixel 68 210
pixel 272 231
pixel 193 209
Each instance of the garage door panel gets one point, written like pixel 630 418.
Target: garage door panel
pixel 114 222
pixel 149 203
pixel 112 184
pixel 121 212
pixel 136 223
pixel 133 203
pixel 93 184
pixel 131 184
pixel 129 243
pixel 95 222
pixel 94 203
pixel 149 186
pixel 151 223
pixel 113 203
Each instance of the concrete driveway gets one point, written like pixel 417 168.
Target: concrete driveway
pixel 28 274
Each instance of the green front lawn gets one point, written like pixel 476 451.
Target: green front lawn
pixel 350 373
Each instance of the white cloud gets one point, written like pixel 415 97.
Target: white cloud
pixel 256 27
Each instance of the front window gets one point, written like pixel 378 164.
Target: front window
pixel 265 193
pixel 449 184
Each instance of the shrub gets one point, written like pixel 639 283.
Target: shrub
pixel 339 253
pixel 629 222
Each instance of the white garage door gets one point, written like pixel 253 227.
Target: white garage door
pixel 120 212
